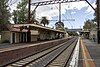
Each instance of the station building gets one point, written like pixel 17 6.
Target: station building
pixel 93 34
pixel 19 33
pixel 90 34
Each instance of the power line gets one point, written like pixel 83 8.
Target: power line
pixel 70 13
pixel 71 16
pixel 64 15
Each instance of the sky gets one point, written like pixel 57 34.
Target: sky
pixel 79 11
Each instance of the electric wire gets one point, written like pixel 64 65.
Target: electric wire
pixel 64 17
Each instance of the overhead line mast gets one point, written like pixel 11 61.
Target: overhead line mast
pixel 65 1
pixel 48 3
pixel 51 2
pixel 59 12
pixel 98 21
pixel 29 11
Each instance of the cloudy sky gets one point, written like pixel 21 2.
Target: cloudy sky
pixel 80 11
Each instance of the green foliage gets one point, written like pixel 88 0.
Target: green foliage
pixel 44 21
pixel 22 4
pixel 15 18
pixel 72 33
pixel 4 12
pixel 89 24
pixel 59 25
pixel 20 15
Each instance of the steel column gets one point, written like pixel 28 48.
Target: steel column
pixel 98 21
pixel 29 11
pixel 59 12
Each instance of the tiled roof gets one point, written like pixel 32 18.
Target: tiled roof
pixel 37 26
pixel 16 27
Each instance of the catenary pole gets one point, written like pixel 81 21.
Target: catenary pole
pixel 98 21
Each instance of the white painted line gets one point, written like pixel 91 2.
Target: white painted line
pixel 74 60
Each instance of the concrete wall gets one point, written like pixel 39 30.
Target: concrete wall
pixel 42 35
pixel 17 37
pixel 47 35
pixel 34 37
pixel 16 53
pixel 52 35
pixel 5 36
pixel 93 32
pixel 66 35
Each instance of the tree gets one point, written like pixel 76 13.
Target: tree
pixel 21 14
pixel 4 12
pixel 72 33
pixel 89 24
pixel 15 18
pixel 33 14
pixel 44 21
pixel 59 25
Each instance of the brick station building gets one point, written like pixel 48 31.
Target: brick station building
pixel 19 33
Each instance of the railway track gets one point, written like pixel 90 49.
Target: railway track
pixel 56 56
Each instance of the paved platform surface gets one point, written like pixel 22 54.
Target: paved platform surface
pixel 94 52
pixel 8 45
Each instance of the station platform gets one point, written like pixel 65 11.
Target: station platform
pixel 89 54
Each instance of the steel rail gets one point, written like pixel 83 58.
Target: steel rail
pixel 45 52
pixel 63 59
pixel 45 60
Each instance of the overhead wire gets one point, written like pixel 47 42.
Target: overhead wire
pixel 78 19
pixel 64 16
pixel 70 15
pixel 68 21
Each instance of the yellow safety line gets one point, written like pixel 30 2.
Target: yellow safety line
pixel 87 60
